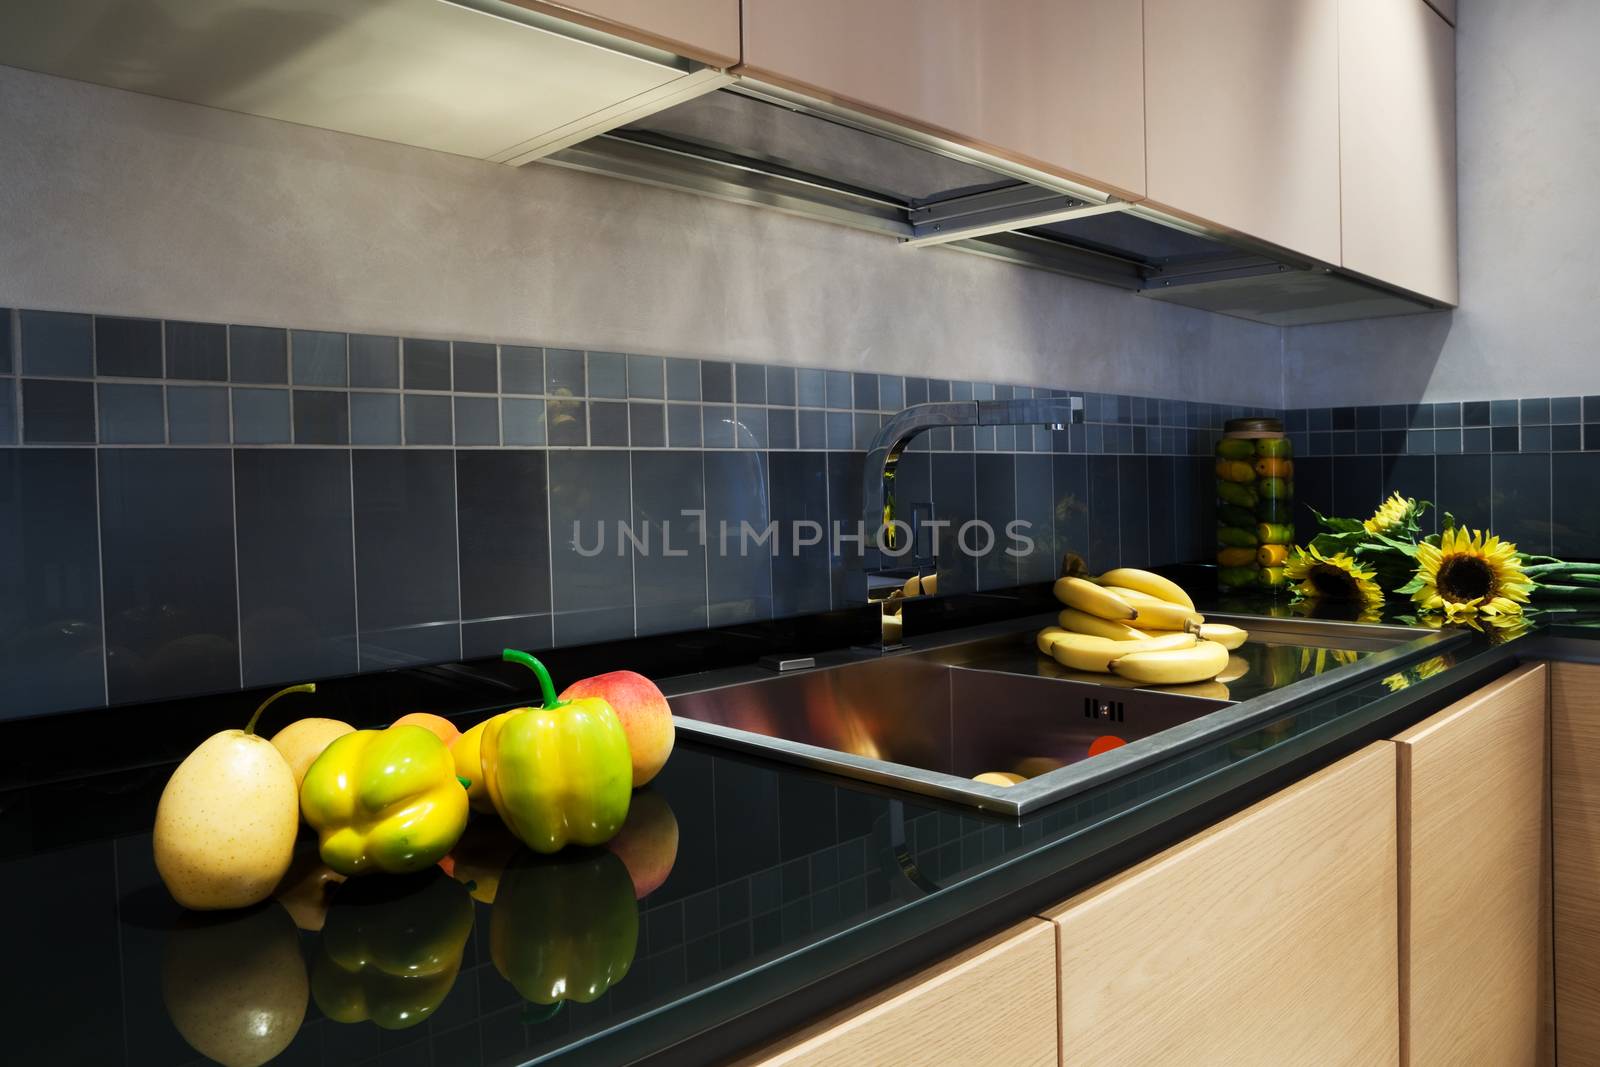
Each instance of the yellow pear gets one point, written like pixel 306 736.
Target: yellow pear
pixel 301 742
pixel 235 985
pixel 226 823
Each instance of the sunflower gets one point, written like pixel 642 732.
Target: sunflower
pixel 1469 574
pixel 1335 577
pixel 1391 514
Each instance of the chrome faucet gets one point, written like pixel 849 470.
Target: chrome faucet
pixel 883 457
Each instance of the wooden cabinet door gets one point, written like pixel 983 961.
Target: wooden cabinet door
pixel 993 1003
pixel 707 30
pixel 1397 161
pixel 1575 819
pixel 1269 938
pixel 1242 117
pixel 1053 84
pixel 1474 884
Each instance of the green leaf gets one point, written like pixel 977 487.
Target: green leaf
pixel 1410 587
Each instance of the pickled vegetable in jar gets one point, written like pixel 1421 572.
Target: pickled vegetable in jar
pixel 1255 504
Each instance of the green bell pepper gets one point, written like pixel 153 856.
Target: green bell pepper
pixel 564 927
pixel 385 800
pixel 560 773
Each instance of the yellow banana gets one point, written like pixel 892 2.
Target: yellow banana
pixel 1081 652
pixel 1151 614
pixel 1082 622
pixel 1229 637
pixel 1091 599
pixel 1146 582
pixel 1047 637
pixel 930 585
pixel 1200 663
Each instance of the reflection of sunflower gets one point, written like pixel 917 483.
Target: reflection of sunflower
pixel 1470 574
pixel 1335 577
pixel 1390 514
pixel 1313 663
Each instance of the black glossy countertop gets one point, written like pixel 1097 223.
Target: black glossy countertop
pixel 786 893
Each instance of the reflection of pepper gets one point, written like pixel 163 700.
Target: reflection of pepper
pixel 558 773
pixel 391 949
pixel 384 799
pixel 564 928
pixel 480 858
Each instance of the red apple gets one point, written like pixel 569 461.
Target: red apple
pixel 646 717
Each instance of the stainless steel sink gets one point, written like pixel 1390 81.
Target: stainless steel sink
pixel 930 718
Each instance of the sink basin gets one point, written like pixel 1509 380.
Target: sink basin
pixel 929 718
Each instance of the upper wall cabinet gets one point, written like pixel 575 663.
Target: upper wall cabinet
pixel 1397 120
pixel 1242 117
pixel 478 78
pixel 707 30
pixel 1051 84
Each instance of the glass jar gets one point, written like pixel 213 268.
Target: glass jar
pixel 1255 504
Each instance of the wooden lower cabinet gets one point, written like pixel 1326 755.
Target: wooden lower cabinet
pixel 1474 884
pixel 992 1003
pixel 1575 818
pixel 1269 938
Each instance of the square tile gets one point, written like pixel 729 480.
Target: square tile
pixel 812 429
pixel 608 424
pixel 1503 412
pixel 8 413
pixel 750 383
pixel 985 391
pixel 258 355
pixel 781 386
pixel 1566 438
pixel 841 435
pixel 319 358
pixel 1418 442
pixel 374 361
pixel 521 369
pixel 261 416
pixel 428 420
pixel 57 412
pixel 477 420
pixel 811 387
pixel 865 391
pixel 321 417
pixel 781 428
pixel 476 367
pixel 683 379
pixel 427 364
pixel 1475 413
pixel 505 548
pixel 750 427
pixel 1566 409
pixel 375 419
pixel 646 377
pixel 647 426
pixel 1536 438
pixel 608 375
pixel 197 351
pixel 1535 411
pixel 968 391
pixel 716 381
pixel 564 372
pixel 683 424
pixel 1368 418
pixel 891 392
pixel 131 414
pixel 197 414
pixel 938 389
pixel 1591 409
pixel 1477 439
pixel 1447 441
pixel 916 391
pixel 717 426
pixel 127 348
pixel 841 393
pixel 567 422
pixel 57 344
pixel 1591 437
pixel 522 421
pixel 1505 439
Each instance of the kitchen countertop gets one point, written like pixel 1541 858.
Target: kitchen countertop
pixel 791 892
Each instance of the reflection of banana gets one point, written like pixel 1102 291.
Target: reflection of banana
pixel 1093 600
pixel 1203 662
pixel 1000 778
pixel 1148 583
pixel 1207 690
pixel 1229 637
pixel 1081 652
pixel 1034 766
pixel 1084 623
pixel 1237 668
pixel 913 586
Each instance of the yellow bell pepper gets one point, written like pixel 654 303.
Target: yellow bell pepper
pixel 385 800
pixel 560 773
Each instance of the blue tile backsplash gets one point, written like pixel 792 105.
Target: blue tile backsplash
pixel 267 504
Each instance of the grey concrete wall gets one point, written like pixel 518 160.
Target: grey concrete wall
pixel 1528 129
pixel 121 203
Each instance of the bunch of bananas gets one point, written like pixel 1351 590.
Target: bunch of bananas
pixel 1138 626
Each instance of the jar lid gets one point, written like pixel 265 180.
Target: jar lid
pixel 1260 425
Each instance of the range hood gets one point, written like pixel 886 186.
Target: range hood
pixel 756 144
